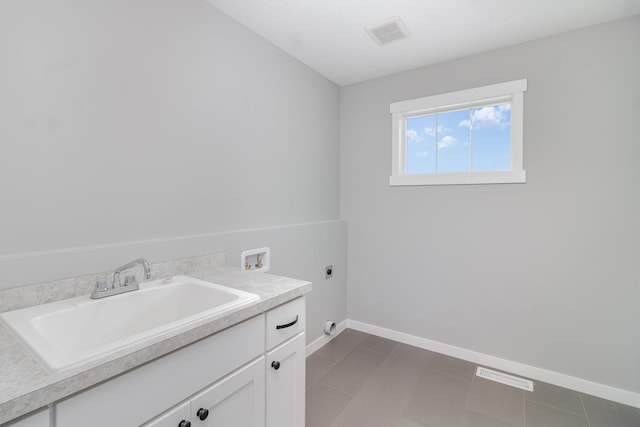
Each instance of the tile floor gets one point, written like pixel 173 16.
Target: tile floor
pixel 360 380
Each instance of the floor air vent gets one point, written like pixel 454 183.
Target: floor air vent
pixel 507 379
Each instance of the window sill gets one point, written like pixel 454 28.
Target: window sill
pixel 460 178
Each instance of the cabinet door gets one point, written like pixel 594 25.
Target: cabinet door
pixel 285 384
pixel 237 400
pixel 176 417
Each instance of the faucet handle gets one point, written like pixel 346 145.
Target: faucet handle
pixel 130 280
pixel 101 285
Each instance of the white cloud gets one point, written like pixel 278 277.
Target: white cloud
pixel 495 115
pixel 432 131
pixel 487 116
pixel 422 154
pixel 447 141
pixel 413 136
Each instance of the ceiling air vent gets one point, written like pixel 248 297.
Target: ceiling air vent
pixel 388 31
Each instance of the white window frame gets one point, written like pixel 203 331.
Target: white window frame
pixel 512 92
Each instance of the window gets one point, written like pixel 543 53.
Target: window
pixel 472 136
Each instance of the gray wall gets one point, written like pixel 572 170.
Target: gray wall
pixel 156 118
pixel 126 123
pixel 545 273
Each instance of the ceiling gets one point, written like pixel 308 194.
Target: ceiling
pixel 330 37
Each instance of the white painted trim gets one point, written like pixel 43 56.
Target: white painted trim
pixel 459 178
pixel 321 341
pixel 398 151
pixel 18 255
pixel 460 97
pixel 578 384
pixel 517 132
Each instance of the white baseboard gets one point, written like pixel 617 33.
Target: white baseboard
pixel 324 339
pixel 561 380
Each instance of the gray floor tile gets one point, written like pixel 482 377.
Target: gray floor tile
pixel 539 415
pixel 374 382
pixel 317 366
pixel 378 344
pixel 323 404
pixel 604 413
pixel 350 373
pixel 558 397
pixel 476 419
pixel 338 347
pixel 438 400
pixel 383 398
pixel 497 400
pixel 460 369
pixel 404 422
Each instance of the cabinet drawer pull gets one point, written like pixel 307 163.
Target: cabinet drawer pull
pixel 275 365
pixel 288 324
pixel 184 423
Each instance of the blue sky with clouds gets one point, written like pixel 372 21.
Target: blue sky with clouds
pixel 464 140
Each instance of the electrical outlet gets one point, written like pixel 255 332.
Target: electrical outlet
pixel 328 272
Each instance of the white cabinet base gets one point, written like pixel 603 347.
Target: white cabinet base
pixel 229 376
pixel 139 395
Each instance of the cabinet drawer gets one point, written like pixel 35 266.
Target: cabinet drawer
pixel 285 321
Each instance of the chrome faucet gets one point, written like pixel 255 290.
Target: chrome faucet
pixel 103 289
pixel 116 274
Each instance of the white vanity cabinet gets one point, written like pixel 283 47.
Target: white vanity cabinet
pixel 250 375
pixel 39 419
pixel 137 396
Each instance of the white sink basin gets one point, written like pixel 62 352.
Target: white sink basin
pixel 64 334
